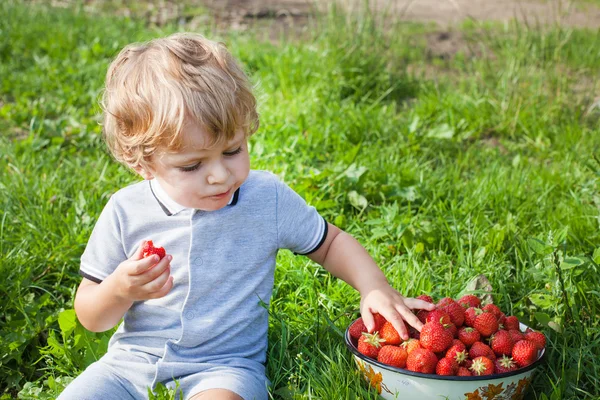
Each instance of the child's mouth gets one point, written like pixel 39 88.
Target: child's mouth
pixel 221 195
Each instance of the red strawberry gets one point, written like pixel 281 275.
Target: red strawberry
pixel 421 360
pixel 149 250
pixel 492 308
pixel 470 314
pixel 456 313
pixel 393 355
pixel 379 321
pixel 505 364
pixel 486 323
pixel 369 344
pixel 524 353
pixel 357 328
pixel 422 315
pixel 426 298
pixel 481 349
pixel 516 335
pixel 411 344
pixel 538 338
pixel 463 371
pixel 413 333
pixel 446 366
pixel 501 343
pixel 435 337
pixel 452 329
pixel 468 336
pixel 457 351
pixel 444 302
pixel 440 316
pixel 482 366
pixel 389 334
pixel 469 300
pixel 511 323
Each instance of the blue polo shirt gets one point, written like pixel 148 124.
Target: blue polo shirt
pixel 223 267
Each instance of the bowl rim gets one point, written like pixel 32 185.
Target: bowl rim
pixel 354 350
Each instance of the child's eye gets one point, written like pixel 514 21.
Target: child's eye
pixel 234 152
pixel 190 168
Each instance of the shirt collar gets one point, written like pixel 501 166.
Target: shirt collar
pixel 170 206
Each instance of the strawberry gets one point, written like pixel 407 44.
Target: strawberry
pixel 481 349
pixel 468 336
pixel 440 316
pixel 538 338
pixel 357 328
pixel 486 323
pixel 446 366
pixel 516 335
pixel 492 308
pixel 410 345
pixel 149 250
pixel 379 321
pixel 421 360
pixel 426 298
pixel 369 344
pixel 413 333
pixel 456 313
pixel 457 351
pixel 524 353
pixel 504 364
pixel 435 337
pixel 393 355
pixel 422 315
pixel 469 300
pixel 462 371
pixel 470 314
pixel 511 323
pixel 501 343
pixel 389 334
pixel 452 329
pixel 444 302
pixel 482 366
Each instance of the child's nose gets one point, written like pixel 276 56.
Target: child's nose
pixel 218 173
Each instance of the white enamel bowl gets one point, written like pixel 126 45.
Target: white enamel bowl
pixel 402 384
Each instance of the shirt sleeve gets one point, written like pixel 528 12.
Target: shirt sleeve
pixel 300 228
pixel 104 250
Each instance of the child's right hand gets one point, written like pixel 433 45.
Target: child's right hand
pixel 140 278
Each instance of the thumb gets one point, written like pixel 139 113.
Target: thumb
pixel 139 253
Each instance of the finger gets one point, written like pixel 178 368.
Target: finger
pixel 410 318
pixel 417 304
pixel 139 253
pixel 398 323
pixel 368 320
pixel 141 266
pixel 156 284
pixel 156 270
pixel 164 290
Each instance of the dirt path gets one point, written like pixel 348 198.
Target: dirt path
pixel 441 12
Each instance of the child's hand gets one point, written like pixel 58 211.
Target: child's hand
pixel 140 278
pixel 385 300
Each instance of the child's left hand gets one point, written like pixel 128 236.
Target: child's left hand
pixel 394 307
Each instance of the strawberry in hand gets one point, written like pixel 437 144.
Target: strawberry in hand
pixel 149 250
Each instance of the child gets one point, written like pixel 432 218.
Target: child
pixel 179 111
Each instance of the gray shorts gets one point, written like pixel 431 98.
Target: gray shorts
pixel 119 379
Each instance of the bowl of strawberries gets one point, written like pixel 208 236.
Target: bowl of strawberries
pixel 465 350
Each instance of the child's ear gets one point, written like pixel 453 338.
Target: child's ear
pixel 144 172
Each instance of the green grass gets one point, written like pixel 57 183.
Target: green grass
pixel 443 168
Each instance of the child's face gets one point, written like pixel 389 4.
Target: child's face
pixel 199 177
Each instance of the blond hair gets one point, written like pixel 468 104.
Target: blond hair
pixel 153 88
